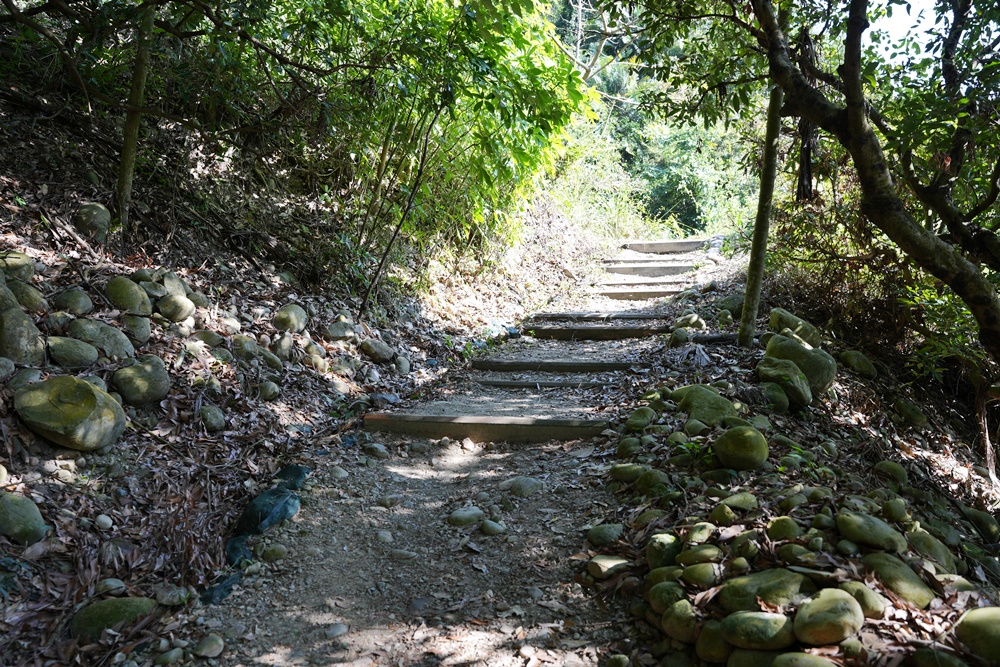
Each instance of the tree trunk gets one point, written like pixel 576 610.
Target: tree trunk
pixel 414 186
pixel 807 137
pixel 130 143
pixel 758 249
pixel 880 202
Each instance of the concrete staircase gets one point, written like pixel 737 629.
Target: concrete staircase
pixel 546 385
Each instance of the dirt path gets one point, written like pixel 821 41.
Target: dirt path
pixel 373 571
pixel 375 575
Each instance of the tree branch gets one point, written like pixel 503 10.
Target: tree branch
pixel 52 38
pixel 991 195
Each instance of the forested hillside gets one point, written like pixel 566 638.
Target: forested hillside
pixel 230 231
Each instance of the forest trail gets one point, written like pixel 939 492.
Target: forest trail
pixel 452 531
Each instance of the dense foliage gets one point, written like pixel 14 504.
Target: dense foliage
pixel 329 109
pixel 916 121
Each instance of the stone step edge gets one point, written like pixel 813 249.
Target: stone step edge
pixel 484 429
pixel 553 365
pixel 594 316
pixel 637 294
pixel 544 384
pixel 594 332
pixel 667 247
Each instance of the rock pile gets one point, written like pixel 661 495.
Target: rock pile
pixel 730 583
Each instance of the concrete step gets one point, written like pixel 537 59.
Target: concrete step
pixel 639 293
pixel 621 280
pixel 666 247
pixel 593 316
pixel 543 384
pixel 552 365
pixel 594 332
pixel 484 429
pixel 652 269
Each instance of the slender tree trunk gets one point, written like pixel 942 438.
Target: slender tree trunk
pixel 130 143
pixel 807 137
pixel 758 249
pixel 414 186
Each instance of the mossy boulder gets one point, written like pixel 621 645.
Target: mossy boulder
pixel 93 220
pixel 741 448
pixel 128 297
pixel 829 617
pixel 604 566
pixel 662 549
pixel 819 367
pixel 859 363
pixel 776 586
pixel 758 630
pixel 74 301
pixel 70 412
pixel 95 618
pixel 873 604
pixel 869 531
pixel 137 328
pixel 209 338
pixel 605 534
pixel 16 265
pixel 377 351
pixel 629 447
pixel 899 578
pixel 71 353
pixel 20 519
pixel 268 391
pixel 146 381
pixel 20 339
pixel 174 284
pixel 985 523
pixel 744 500
pixel 892 471
pixel 780 319
pixel 690 321
pixel 213 418
pixel 627 472
pixel 522 486
pixel 679 621
pixel 102 336
pixel 7 298
pixel 290 317
pixel 700 553
pixel 710 646
pixel 679 337
pixel 733 303
pixel 933 549
pixel 652 482
pixel 244 347
pixel 664 594
pixel 640 418
pixel 926 657
pixel 910 414
pixel 704 404
pixel 979 629
pixel 786 375
pixel 776 397
pixel 783 528
pixel 702 575
pixel 176 307
pixel 28 296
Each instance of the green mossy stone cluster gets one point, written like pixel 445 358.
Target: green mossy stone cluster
pixel 741 448
pixel 20 519
pixel 91 621
pixel 71 412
